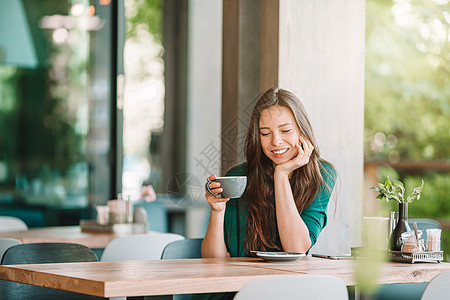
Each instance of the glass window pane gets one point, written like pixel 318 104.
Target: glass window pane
pixel 143 96
pixel 55 106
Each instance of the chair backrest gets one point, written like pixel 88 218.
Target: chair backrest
pixel 424 223
pixel 6 243
pixel 43 253
pixel 438 288
pixel 138 247
pixel 12 223
pixel 187 248
pixel 295 287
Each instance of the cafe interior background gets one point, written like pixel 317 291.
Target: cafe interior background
pixel 100 97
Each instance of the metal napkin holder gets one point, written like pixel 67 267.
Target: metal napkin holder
pixel 399 256
pixel 412 257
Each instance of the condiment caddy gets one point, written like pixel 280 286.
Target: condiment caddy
pixel 411 247
pixel 412 257
pixel 117 216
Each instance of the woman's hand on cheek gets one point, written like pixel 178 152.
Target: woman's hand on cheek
pixel 307 147
pixel 304 150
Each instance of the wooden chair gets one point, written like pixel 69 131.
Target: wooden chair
pixel 12 223
pixel 438 288
pixel 187 248
pixel 41 253
pixel 294 287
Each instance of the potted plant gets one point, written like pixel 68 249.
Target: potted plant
pixel 395 191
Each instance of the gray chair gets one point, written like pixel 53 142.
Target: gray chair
pixel 410 291
pixel 424 224
pixel 41 253
pixel 6 243
pixel 187 248
pixel 438 288
pixel 294 287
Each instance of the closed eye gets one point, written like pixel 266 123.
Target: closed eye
pixel 264 134
pixel 287 130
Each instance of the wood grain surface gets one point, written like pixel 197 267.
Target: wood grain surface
pixel 188 276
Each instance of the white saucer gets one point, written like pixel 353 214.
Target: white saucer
pixel 279 256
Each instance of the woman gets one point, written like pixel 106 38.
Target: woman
pixel 284 207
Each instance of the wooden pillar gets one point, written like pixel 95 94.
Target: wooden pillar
pixel 173 140
pixel 269 44
pixel 249 66
pixel 230 83
pixel 371 179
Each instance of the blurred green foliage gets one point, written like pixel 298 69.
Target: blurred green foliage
pixel 407 92
pixel 144 31
pixel 434 201
pixel 144 15
pixel 407 97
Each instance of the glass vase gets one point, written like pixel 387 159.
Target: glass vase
pixel 402 226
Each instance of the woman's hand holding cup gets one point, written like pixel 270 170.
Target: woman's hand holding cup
pixel 217 204
pixel 221 189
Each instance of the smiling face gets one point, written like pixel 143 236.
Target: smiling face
pixel 279 133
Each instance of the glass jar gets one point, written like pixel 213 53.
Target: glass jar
pixel 410 242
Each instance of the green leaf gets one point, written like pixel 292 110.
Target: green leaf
pixel 415 195
pixel 420 188
pixel 387 183
pixel 395 190
pixel 376 189
pixel 398 183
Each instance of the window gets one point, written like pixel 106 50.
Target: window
pixel 57 108
pixel 407 117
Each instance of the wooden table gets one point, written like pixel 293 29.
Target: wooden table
pixel 62 234
pixel 188 276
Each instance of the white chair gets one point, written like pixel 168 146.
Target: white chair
pixel 138 247
pixel 12 223
pixel 438 288
pixel 5 244
pixel 295 287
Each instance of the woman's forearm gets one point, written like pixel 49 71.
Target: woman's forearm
pixel 213 243
pixel 294 234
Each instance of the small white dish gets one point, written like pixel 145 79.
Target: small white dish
pixel 279 256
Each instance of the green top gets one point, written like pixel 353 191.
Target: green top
pixel 314 216
pixel 235 224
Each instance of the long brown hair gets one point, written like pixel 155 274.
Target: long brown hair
pixel 262 231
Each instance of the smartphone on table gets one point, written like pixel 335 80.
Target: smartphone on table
pixel 333 256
